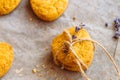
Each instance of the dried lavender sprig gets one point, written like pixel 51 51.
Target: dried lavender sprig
pixel 117 24
pixel 117 28
pixel 117 32
pixel 117 21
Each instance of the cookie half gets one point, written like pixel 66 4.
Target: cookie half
pixel 48 10
pixel 7 6
pixel 6 58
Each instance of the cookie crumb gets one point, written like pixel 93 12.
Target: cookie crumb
pixel 43 66
pixel 40 75
pixel 37 66
pixel 74 18
pixel 46 49
pixel 34 70
pixel 31 19
pixel 19 70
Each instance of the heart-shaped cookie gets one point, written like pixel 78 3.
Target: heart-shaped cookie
pixel 62 54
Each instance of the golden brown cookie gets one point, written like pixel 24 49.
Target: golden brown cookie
pixel 48 10
pixel 84 50
pixel 7 6
pixel 6 58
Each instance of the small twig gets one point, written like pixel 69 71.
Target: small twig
pixel 115 48
pixel 117 33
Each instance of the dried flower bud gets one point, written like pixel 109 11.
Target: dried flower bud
pixel 77 29
pixel 106 24
pixel 117 24
pixel 82 25
pixel 117 35
pixel 117 28
pixel 73 37
pixel 117 21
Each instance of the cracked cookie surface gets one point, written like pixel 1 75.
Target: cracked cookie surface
pixel 48 10
pixel 6 58
pixel 7 6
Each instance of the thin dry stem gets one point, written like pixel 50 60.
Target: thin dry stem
pixel 115 49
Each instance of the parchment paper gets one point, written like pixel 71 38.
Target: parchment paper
pixel 31 39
